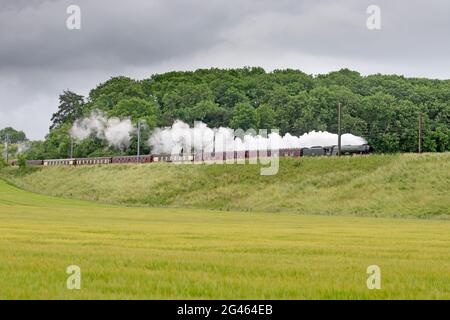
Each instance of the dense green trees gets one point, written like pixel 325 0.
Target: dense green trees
pixel 13 135
pixel 382 108
pixel 138 109
pixel 70 108
pixel 265 117
pixel 17 143
pixel 244 117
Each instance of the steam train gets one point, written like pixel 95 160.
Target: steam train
pixel 207 157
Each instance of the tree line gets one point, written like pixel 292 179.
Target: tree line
pixel 15 140
pixel 382 108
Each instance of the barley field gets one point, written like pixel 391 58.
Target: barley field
pixel 168 253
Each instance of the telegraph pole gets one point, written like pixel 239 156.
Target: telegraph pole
pixel 6 146
pixel 138 140
pixel 339 128
pixel 420 132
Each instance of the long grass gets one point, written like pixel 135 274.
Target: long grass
pixel 406 185
pixel 148 253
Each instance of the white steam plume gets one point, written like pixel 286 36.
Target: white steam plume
pixel 117 132
pixel 180 137
pixel 23 147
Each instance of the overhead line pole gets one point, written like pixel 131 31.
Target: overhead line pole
pixel 7 147
pixel 138 140
pixel 339 128
pixel 420 132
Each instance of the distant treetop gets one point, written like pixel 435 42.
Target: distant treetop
pixel 13 135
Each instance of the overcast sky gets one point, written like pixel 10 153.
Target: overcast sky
pixel 40 57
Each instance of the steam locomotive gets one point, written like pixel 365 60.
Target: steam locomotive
pixel 207 157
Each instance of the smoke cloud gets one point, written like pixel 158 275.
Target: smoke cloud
pixel 116 132
pixel 200 138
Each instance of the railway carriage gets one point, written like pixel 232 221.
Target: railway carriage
pixel 59 162
pixel 251 154
pixel 267 153
pixel 29 162
pixel 207 156
pixel 132 159
pixel 203 156
pixel 219 156
pixel 182 158
pixel 92 161
pixel 289 152
pixel 35 162
pixel 164 157
pixel 240 154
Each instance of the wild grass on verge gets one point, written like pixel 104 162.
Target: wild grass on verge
pixel 406 185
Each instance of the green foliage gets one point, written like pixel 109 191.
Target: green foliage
pixel 107 95
pixel 3 163
pixel 22 161
pixel 71 106
pixel 231 96
pixel 265 117
pixel 244 117
pixel 36 150
pixel 384 109
pixel 137 109
pixel 13 135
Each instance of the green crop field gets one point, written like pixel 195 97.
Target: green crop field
pixel 162 253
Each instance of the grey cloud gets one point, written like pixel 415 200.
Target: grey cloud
pixel 39 57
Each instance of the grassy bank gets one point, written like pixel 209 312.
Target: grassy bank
pixel 406 185
pixel 157 253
